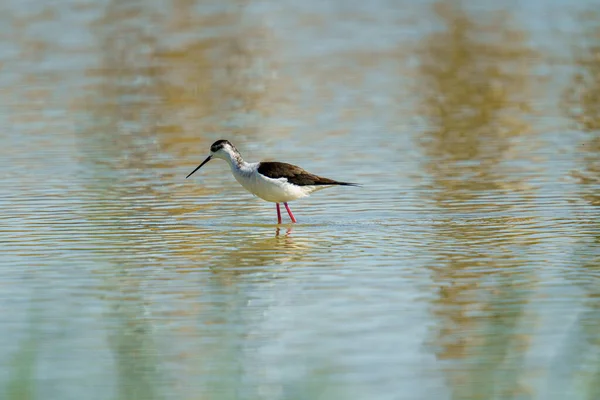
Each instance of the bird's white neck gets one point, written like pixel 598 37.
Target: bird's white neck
pixel 235 161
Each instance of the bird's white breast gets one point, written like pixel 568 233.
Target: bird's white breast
pixel 274 190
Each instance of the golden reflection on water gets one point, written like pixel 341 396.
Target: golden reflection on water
pixel 175 94
pixel 150 97
pixel 581 102
pixel 474 85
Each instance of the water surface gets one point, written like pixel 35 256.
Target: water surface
pixel 465 267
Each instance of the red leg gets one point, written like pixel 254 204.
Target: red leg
pixel 278 214
pixel 289 212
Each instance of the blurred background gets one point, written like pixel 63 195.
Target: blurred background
pixel 466 267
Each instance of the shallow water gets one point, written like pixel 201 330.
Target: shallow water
pixel 465 267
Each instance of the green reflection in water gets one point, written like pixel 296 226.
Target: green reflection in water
pixel 23 379
pixel 131 341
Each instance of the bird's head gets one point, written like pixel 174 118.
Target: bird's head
pixel 222 149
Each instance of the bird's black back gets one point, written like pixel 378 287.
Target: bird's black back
pixel 295 175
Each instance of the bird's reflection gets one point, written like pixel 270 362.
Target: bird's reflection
pixel 263 252
pixel 287 231
pixel 249 249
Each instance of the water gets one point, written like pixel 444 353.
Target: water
pixel 466 267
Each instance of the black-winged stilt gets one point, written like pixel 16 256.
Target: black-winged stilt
pixel 272 181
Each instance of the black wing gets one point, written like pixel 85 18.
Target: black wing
pixel 295 175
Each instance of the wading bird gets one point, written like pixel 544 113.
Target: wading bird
pixel 270 180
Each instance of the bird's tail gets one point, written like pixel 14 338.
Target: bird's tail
pixel 347 184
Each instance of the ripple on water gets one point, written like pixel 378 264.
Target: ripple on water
pixel 464 267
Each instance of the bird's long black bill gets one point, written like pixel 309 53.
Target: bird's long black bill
pixel 199 166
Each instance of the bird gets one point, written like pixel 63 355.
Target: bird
pixel 272 181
